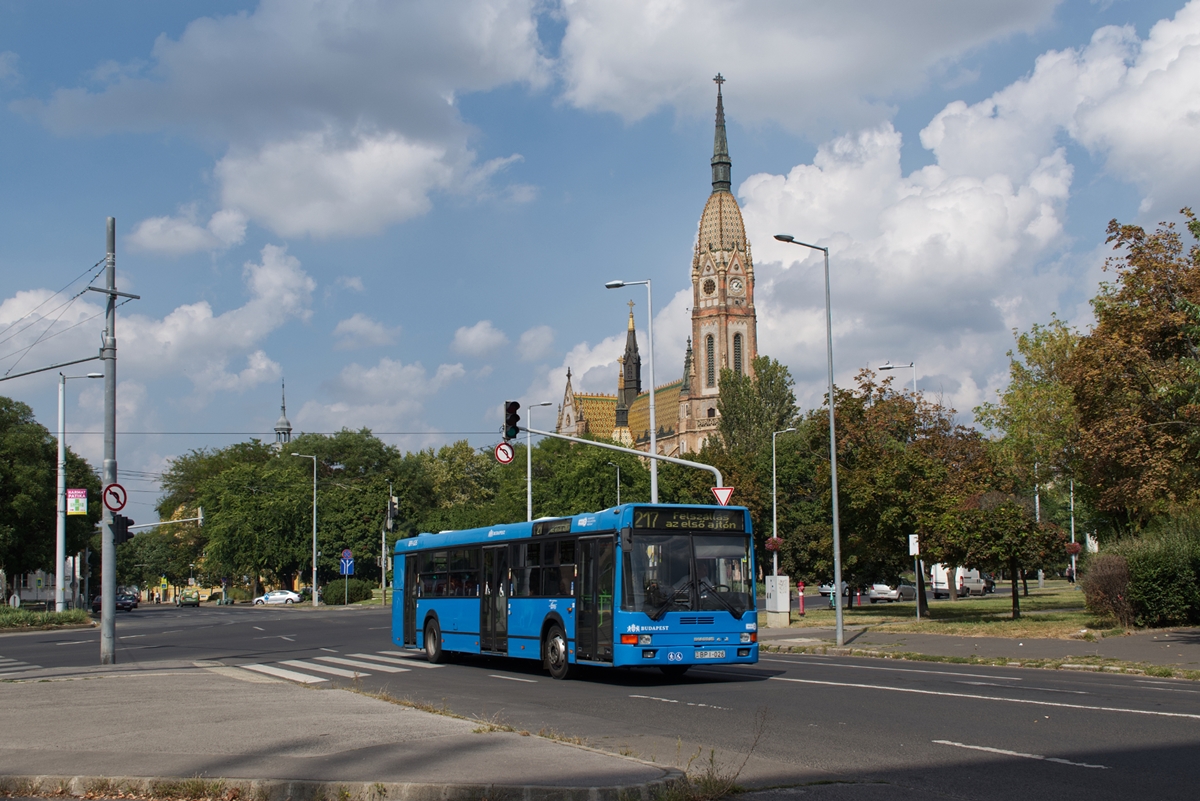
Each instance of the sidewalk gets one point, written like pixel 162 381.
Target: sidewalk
pixel 275 740
pixel 1178 648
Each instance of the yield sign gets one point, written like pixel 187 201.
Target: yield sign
pixel 723 494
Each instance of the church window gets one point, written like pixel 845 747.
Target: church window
pixel 710 347
pixel 710 286
pixel 568 419
pixel 712 412
pixel 737 353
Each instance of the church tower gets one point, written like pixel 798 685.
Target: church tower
pixel 724 324
pixel 283 428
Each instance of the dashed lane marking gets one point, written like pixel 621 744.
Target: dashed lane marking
pixel 290 675
pixel 674 701
pixel 512 678
pixel 1006 752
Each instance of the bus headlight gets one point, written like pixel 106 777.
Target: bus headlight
pixel 643 639
pixel 749 636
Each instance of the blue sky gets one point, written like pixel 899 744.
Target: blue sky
pixel 409 210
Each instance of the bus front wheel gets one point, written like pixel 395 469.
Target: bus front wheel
pixel 433 643
pixel 555 650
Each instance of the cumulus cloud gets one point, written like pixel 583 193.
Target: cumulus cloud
pixel 381 397
pixel 536 343
pixel 479 339
pixel 180 235
pixel 835 64
pixel 339 117
pixel 350 282
pixel 360 331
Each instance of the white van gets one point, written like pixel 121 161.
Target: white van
pixel 968 582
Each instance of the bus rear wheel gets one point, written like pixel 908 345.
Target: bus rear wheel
pixel 554 650
pixel 433 643
pixel 674 671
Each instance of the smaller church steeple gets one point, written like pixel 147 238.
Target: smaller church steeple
pixel 721 177
pixel 283 429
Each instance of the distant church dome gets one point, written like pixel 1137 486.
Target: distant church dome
pixel 721 226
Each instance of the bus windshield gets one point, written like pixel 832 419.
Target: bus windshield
pixel 687 572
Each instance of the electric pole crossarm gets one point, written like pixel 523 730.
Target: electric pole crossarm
pixel 104 291
pixel 643 454
pixel 52 367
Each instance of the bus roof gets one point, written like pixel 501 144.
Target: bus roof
pixel 611 519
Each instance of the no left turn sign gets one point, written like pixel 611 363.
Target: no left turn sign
pixel 114 496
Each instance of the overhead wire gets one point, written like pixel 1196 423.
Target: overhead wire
pixel 63 307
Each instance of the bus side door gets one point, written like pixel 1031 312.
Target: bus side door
pixel 412 587
pixel 493 610
pixel 594 624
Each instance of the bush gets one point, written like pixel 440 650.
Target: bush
pixel 1162 578
pixel 356 589
pixel 1106 588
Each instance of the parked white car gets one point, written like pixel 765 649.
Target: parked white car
pixel 277 597
pixel 886 592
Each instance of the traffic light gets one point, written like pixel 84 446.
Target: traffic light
pixel 511 419
pixel 120 527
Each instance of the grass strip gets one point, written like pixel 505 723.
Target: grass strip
pixel 23 619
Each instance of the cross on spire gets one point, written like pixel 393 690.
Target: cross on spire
pixel 718 81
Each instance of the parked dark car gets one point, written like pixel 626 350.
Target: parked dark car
pixel 125 603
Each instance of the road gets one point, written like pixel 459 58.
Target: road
pixel 922 730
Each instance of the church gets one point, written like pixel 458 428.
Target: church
pixel 724 335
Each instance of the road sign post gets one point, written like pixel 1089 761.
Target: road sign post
pixel 346 568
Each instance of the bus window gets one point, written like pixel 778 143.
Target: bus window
pixel 558 568
pixel 464 572
pixel 526 570
pixel 723 573
pixel 434 578
pixel 658 574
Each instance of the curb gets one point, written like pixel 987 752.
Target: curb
pixel 1131 669
pixel 194 789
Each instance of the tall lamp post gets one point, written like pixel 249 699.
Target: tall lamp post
pixel 775 503
pixel 529 462
pixel 650 341
pixel 913 365
pixel 837 547
pixel 60 539
pixel 614 464
pixel 314 555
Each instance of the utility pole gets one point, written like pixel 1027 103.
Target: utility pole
pixel 108 548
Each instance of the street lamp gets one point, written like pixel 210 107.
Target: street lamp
pixel 614 464
pixel 650 339
pixel 775 504
pixel 60 539
pixel 837 547
pixel 913 365
pixel 529 461
pixel 314 577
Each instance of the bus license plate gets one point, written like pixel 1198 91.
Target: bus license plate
pixel 710 654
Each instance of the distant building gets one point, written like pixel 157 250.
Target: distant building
pixel 283 429
pixel 724 335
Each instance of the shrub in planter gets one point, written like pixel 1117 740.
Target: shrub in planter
pixel 1106 588
pixel 1162 579
pixel 336 591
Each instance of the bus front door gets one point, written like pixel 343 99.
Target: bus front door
pixel 594 624
pixel 493 617
pixel 411 588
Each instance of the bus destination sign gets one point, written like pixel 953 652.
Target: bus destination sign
pixel 560 526
pixel 714 519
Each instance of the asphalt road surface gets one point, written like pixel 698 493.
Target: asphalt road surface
pixel 897 729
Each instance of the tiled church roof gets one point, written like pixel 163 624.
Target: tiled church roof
pixel 600 412
pixel 666 409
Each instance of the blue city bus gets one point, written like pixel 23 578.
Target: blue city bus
pixel 638 585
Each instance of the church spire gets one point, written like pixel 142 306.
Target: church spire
pixel 721 179
pixel 283 428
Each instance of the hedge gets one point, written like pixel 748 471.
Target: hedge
pixel 357 590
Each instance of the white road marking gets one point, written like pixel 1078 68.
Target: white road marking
pixel 1025 687
pixel 414 658
pixel 332 671
pixel 673 701
pixel 330 650
pixel 990 698
pixel 285 637
pixel 260 628
pixel 74 642
pixel 387 660
pixel 337 660
pixel 378 628
pixel 512 678
pixel 130 636
pixel 20 667
pixel 1006 752
pixel 290 675
pixel 893 669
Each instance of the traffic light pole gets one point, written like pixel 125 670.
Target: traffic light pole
pixel 657 456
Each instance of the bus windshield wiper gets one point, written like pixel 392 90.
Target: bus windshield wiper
pixel 666 607
pixel 717 595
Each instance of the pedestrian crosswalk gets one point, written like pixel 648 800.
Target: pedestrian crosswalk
pixel 351 666
pixel 8 665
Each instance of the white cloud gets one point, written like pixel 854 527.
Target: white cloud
pixel 336 114
pixel 593 369
pixel 536 343
pixel 479 339
pixel 812 66
pixel 360 331
pixel 178 236
pixel 9 74
pixel 350 282
pixel 384 397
